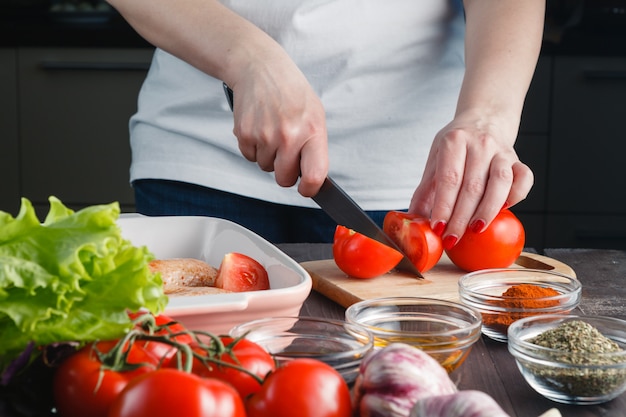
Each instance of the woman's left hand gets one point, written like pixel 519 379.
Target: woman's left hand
pixel 472 172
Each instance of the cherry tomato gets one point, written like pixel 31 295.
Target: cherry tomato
pixel 239 272
pixel 360 256
pixel 165 326
pixel 169 392
pixel 413 234
pixel 302 387
pixel 245 354
pixel 82 388
pixel 498 246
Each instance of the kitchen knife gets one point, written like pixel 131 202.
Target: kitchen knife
pixel 346 212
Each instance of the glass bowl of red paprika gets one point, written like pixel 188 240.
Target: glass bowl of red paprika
pixel 506 295
pixel 446 330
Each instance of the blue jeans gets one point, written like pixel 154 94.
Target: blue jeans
pixel 277 223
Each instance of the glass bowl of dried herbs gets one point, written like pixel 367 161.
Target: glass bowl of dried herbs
pixel 571 359
pixel 508 294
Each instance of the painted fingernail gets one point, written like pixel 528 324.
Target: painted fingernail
pixel 506 205
pixel 449 241
pixel 440 226
pixel 477 225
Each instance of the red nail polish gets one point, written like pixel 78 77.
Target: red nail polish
pixel 440 226
pixel 506 205
pixel 477 225
pixel 449 241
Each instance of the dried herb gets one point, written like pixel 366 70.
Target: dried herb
pixel 579 343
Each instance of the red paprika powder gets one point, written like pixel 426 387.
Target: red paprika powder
pixel 520 297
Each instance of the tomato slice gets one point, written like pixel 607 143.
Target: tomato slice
pixel 360 256
pixel 239 272
pixel 498 246
pixel 413 234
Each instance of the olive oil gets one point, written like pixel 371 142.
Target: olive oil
pixel 446 352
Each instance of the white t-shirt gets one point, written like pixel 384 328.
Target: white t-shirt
pixel 388 73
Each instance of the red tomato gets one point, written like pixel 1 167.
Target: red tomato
pixel 413 234
pixel 245 354
pixel 169 392
pixel 360 256
pixel 82 388
pixel 498 246
pixel 239 272
pixel 164 326
pixel 302 387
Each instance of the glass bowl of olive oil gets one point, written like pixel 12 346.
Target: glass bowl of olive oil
pixel 445 330
pixel 339 344
pixel 571 359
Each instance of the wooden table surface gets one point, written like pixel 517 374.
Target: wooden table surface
pixel 490 367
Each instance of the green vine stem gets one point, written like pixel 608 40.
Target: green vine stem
pixel 146 330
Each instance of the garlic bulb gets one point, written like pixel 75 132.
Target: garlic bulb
pixel 461 404
pixel 391 380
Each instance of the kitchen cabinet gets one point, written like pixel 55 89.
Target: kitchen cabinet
pixel 9 161
pixel 571 136
pixel 532 147
pixel 74 108
pixel 586 203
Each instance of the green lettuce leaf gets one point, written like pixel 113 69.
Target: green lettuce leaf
pixel 71 278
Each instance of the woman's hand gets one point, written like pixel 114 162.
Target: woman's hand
pixel 472 172
pixel 279 120
pixel 280 124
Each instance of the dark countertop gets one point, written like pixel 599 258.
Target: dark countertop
pixel 490 367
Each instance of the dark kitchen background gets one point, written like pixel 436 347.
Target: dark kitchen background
pixel 70 72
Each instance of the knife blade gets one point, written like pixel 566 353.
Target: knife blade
pixel 346 212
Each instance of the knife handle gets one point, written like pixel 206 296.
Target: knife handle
pixel 229 95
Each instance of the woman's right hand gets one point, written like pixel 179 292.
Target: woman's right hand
pixel 279 120
pixel 280 124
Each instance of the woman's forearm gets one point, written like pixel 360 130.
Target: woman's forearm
pixel 503 40
pixel 204 33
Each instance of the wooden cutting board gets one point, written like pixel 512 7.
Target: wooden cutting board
pixel 441 282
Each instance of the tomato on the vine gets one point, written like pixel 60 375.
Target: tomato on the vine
pixel 165 326
pixel 413 234
pixel 81 387
pixel 360 256
pixel 169 392
pixel 244 354
pixel 303 387
pixel 498 246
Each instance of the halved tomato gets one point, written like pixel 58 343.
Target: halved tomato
pixel 413 234
pixel 360 256
pixel 239 272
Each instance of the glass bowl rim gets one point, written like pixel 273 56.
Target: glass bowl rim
pixel 472 329
pixel 480 300
pixel 365 338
